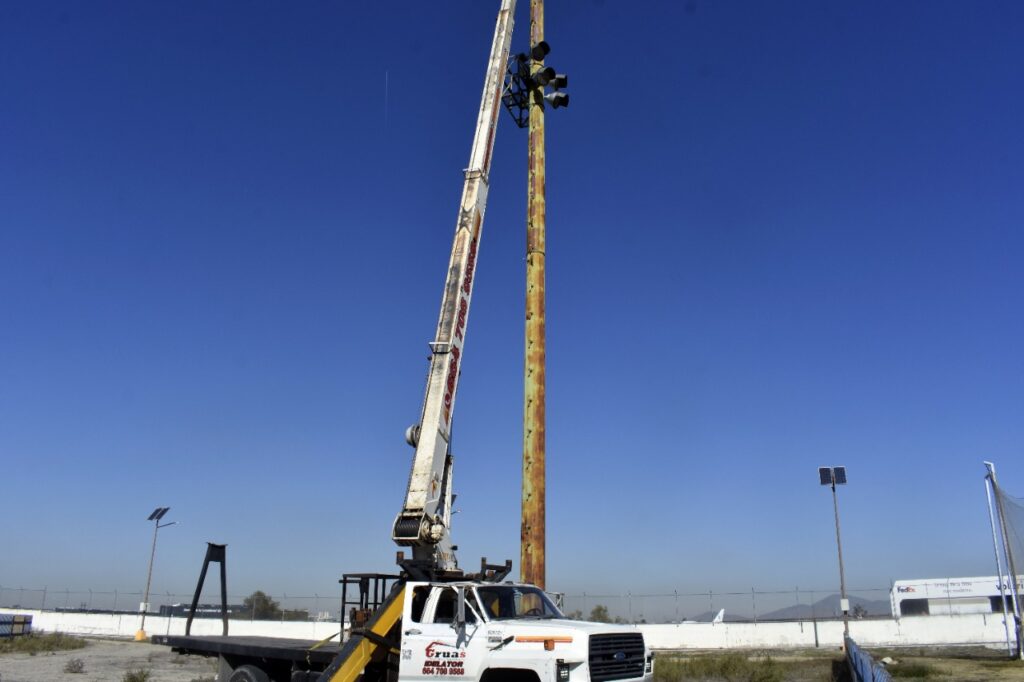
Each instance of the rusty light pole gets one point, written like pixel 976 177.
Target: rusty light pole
pixel 525 96
pixel 532 546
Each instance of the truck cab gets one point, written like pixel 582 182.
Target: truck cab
pixel 510 632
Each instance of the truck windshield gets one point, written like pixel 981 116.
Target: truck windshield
pixel 503 602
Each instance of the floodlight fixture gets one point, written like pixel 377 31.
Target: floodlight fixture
pixel 540 50
pixel 544 76
pixel 527 79
pixel 557 100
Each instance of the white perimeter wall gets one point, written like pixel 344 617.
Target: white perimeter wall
pixel 967 629
pixel 124 625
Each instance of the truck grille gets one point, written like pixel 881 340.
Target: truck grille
pixel 616 657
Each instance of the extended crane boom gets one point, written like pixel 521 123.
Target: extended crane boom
pixel 425 520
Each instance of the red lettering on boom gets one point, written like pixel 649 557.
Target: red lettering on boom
pixel 460 322
pixel 453 373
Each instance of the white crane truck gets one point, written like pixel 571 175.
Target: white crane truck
pixel 433 620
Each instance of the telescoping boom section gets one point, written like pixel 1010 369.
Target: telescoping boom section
pixel 425 520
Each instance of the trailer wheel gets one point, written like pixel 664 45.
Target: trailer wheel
pixel 248 673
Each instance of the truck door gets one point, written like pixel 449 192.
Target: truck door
pixel 435 644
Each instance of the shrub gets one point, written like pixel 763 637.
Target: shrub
pixel 140 675
pixel 729 667
pixel 39 642
pixel 74 665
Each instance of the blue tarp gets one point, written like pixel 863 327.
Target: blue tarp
pixel 864 668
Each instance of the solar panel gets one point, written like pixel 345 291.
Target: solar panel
pixel 825 474
pixel 840 475
pixel 158 513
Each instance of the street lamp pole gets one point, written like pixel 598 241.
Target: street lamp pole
pixel 525 96
pixel 533 530
pixel 155 517
pixel 832 476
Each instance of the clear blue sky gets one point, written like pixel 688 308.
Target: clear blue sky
pixel 781 235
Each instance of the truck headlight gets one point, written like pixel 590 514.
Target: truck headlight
pixel 649 664
pixel 563 671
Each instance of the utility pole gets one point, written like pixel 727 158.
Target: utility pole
pixel 532 552
pixel 525 96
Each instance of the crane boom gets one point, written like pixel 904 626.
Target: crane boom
pixel 425 520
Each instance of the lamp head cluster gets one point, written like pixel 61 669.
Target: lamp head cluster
pixel 528 81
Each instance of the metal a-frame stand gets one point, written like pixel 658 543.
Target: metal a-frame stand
pixel 216 553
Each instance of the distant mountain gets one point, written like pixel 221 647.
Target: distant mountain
pixel 827 607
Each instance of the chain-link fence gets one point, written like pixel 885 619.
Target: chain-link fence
pixel 751 605
pixel 274 607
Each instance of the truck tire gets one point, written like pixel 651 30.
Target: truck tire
pixel 248 673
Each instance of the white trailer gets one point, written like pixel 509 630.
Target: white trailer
pixel 951 596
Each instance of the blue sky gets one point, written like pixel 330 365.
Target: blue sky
pixel 781 235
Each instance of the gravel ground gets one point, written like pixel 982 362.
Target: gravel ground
pixel 107 660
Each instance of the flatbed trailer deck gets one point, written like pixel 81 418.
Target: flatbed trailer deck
pixel 278 652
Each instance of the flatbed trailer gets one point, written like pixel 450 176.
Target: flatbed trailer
pixel 279 657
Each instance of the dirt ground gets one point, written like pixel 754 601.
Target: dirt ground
pixel 107 661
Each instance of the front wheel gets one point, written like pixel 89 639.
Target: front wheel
pixel 248 673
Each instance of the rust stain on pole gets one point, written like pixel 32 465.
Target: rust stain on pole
pixel 532 555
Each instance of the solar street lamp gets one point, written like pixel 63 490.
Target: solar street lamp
pixel 834 476
pixel 155 517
